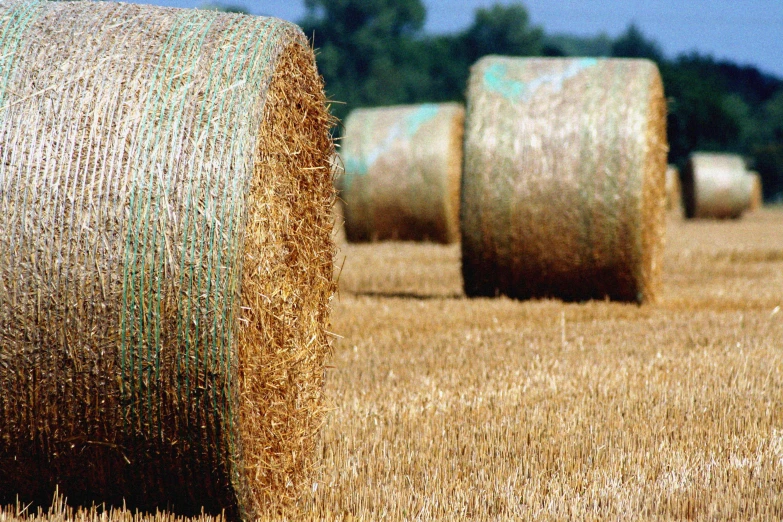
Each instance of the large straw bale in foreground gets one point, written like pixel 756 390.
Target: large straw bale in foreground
pixel 563 187
pixel 402 173
pixel 716 186
pixel 165 257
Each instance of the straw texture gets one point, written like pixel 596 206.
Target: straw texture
pixel 563 189
pixel 166 257
pixel 673 189
pixel 716 186
pixel 402 173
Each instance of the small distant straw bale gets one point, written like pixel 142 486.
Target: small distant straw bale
pixel 402 173
pixel 564 182
pixel 757 192
pixel 338 214
pixel 165 257
pixel 673 189
pixel 716 186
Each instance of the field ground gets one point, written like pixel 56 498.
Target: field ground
pixel 447 408
pixel 450 408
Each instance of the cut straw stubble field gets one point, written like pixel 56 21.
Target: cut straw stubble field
pixel 448 408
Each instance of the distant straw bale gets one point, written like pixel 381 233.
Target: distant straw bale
pixel 673 189
pixel 756 192
pixel 402 173
pixel 716 186
pixel 564 182
pixel 166 257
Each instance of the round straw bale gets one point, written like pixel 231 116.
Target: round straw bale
pixel 166 257
pixel 402 173
pixel 563 189
pixel 716 186
pixel 756 192
pixel 673 189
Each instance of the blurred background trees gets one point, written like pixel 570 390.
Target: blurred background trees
pixel 369 51
pixel 375 52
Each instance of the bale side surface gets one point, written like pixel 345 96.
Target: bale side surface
pixel 563 189
pixel 716 186
pixel 165 266
pixel 402 173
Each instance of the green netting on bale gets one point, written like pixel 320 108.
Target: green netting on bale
pixel 142 164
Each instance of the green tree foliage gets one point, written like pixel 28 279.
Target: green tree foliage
pixel 504 30
pixel 717 106
pixel 766 145
pixel 368 50
pixel 725 107
pixel 226 8
pixel 500 29
pixel 374 52
pixel 633 44
pixel 568 45
pixel 699 113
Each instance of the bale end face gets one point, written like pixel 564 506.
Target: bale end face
pixel 289 252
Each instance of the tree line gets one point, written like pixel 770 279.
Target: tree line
pixel 375 52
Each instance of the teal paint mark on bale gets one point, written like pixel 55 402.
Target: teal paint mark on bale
pixel 360 164
pixel 497 80
pixel 422 115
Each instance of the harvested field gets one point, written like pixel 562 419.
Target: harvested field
pixel 450 408
pixel 491 409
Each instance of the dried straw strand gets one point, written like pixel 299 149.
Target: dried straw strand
pixel 673 189
pixel 757 192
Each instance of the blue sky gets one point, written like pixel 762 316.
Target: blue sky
pixel 745 31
